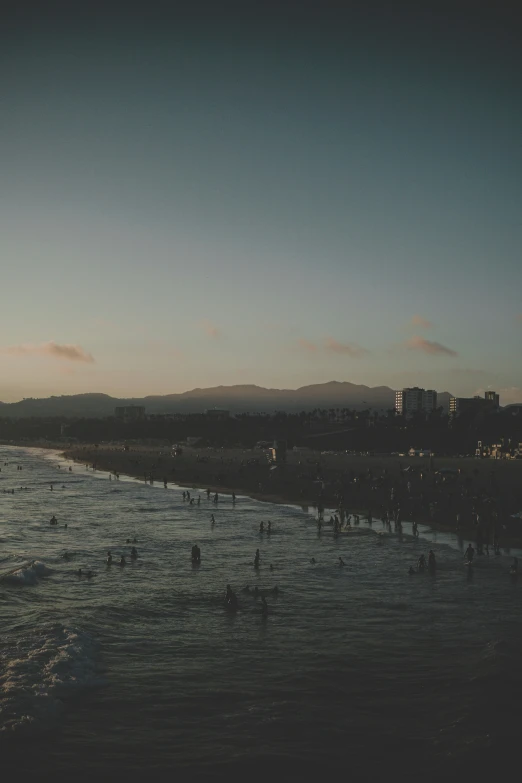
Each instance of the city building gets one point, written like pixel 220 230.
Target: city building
pixel 459 405
pixel 130 412
pixel 414 400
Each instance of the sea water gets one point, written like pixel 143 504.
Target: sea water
pixel 361 669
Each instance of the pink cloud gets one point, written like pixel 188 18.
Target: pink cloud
pixel 65 352
pixel 422 323
pixel 308 346
pixel 348 349
pixel 427 346
pixel 210 329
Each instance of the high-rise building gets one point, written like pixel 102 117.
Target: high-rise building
pixel 490 401
pixel 414 400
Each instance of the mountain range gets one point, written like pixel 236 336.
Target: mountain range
pixel 236 399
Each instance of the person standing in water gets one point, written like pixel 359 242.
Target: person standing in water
pixel 470 553
pixel 256 559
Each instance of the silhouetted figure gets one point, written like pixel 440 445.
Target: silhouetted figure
pixel 257 559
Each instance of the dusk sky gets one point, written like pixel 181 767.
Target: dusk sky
pixel 266 196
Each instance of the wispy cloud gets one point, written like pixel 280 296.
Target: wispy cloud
pixel 348 349
pixel 307 346
pixel 210 329
pixel 330 345
pixel 420 322
pixel 428 346
pixel 65 351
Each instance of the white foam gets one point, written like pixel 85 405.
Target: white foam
pixel 26 574
pixel 39 671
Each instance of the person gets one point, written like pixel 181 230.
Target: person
pixel 271 567
pixel 432 565
pixel 53 521
pixel 256 559
pixel 122 560
pixel 246 589
pixel 212 520
pixel 269 527
pixel 196 554
pixel 134 553
pixel 199 500
pixel 231 599
pixel 341 561
pixel 109 558
pixel 470 552
pixel 208 494
pixel 80 572
pixel 262 527
pixel 514 566
pixel 275 590
pixel 312 560
pixel 422 563
pixel 264 606
pixel 411 571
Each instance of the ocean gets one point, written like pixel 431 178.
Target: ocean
pixel 358 670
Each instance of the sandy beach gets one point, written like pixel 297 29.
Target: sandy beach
pixel 448 500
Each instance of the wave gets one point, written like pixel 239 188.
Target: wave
pixel 39 672
pixel 27 574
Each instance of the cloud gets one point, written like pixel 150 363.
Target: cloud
pixel 422 323
pixel 307 345
pixel 211 330
pixel 348 349
pixel 427 346
pixel 65 352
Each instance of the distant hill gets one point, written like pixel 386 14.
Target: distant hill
pixel 237 399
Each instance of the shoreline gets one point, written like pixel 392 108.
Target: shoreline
pixel 254 481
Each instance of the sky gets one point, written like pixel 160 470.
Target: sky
pixel 278 194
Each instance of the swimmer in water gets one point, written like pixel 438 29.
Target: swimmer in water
pixel 212 520
pixel 432 565
pixel 122 561
pixel 109 558
pixel 134 553
pixel 411 571
pixel 262 527
pixel 312 560
pixel 341 561
pixel 269 528
pixel 256 559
